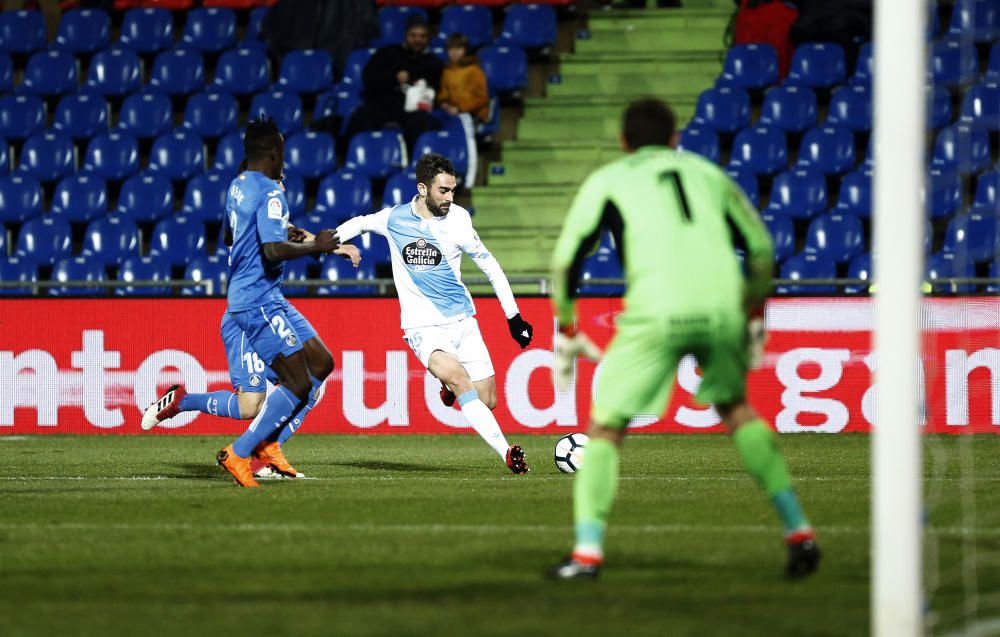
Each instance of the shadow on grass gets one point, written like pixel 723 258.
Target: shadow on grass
pixel 383 465
pixel 200 470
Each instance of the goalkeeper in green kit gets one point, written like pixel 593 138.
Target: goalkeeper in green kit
pixel 675 218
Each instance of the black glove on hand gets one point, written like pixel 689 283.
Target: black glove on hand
pixel 521 330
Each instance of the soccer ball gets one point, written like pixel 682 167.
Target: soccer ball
pixel 569 452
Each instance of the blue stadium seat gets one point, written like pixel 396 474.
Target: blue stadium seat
pixel 210 30
pixel 82 115
pixel 111 239
pixel 855 196
pixel 473 21
pixel 723 109
pixel 799 193
pixel 113 156
pixel 945 265
pixel 21 116
pixel 354 67
pixel 374 249
pixel 310 154
pixel 860 267
pixel 529 26
pixel 953 62
pixel 116 71
pixel 851 107
pixel 84 31
pixel 790 108
pixel 864 68
pixel 213 268
pixel 347 102
pixel 701 140
pixel 22 32
pixel 50 73
pixel 392 23
pixel 344 195
pixel 4 157
pixel 938 106
pixel 14 269
pixel 178 71
pixel 839 237
pixel 42 240
pixel 807 265
pixel 818 65
pixel 306 71
pixel 975 19
pixel 146 114
pixel 3 243
pixel 48 156
pixel 6 73
pixel 242 71
pixel 143 269
pixel 988 190
pixel 762 150
pixel 750 66
pixel 399 188
pixel 178 240
pixel 77 269
pixel 945 187
pixel 376 153
pixel 973 236
pixel 80 197
pixel 747 181
pixel 295 270
pixel 295 194
pixel 993 65
pixel 251 34
pixel 603 264
pixel 963 148
pixel 444 143
pixel 211 115
pixel 179 154
pixel 147 196
pixel 147 30
pixel 782 231
pixel 284 107
pixel 827 149
pixel 506 68
pixel 20 198
pixel 325 106
pixel 314 221
pixel 981 106
pixel 337 269
pixel 229 153
pixel 205 196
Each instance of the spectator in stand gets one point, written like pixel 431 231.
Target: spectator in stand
pixel 847 23
pixel 51 11
pixel 395 73
pixel 767 22
pixel 464 94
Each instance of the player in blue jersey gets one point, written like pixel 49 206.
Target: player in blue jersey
pixel 258 218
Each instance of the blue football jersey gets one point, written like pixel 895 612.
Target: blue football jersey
pixel 257 213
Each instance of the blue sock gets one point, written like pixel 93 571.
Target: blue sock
pixel 787 504
pixel 292 426
pixel 217 403
pixel 278 409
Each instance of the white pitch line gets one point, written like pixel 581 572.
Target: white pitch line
pixel 416 478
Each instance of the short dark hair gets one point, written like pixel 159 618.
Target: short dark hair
pixel 648 122
pixel 416 20
pixel 430 166
pixel 262 136
pixel 456 40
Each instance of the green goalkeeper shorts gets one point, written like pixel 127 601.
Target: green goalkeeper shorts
pixel 640 364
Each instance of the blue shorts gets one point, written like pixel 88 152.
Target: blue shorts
pixel 247 370
pixel 274 328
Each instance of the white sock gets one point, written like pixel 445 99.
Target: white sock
pixel 482 420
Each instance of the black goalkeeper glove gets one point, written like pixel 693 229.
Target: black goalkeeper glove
pixel 521 330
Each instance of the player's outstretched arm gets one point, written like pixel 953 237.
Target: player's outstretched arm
pixel 349 251
pixel 326 241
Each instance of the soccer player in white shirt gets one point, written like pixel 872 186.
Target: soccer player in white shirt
pixel 427 237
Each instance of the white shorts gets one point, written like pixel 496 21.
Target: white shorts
pixel 461 339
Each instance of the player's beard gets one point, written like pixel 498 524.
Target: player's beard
pixel 438 210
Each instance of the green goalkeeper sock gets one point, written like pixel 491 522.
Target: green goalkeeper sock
pixel 593 493
pixel 757 446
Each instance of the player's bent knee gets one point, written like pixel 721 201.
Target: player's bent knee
pixel 250 404
pixel 608 432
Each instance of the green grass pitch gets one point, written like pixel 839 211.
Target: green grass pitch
pixel 430 535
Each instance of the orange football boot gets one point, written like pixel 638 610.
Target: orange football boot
pixel 271 455
pixel 238 467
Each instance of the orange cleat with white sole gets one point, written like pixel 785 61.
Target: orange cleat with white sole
pixel 271 455
pixel 238 467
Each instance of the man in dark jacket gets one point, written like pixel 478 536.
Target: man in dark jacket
pixel 387 76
